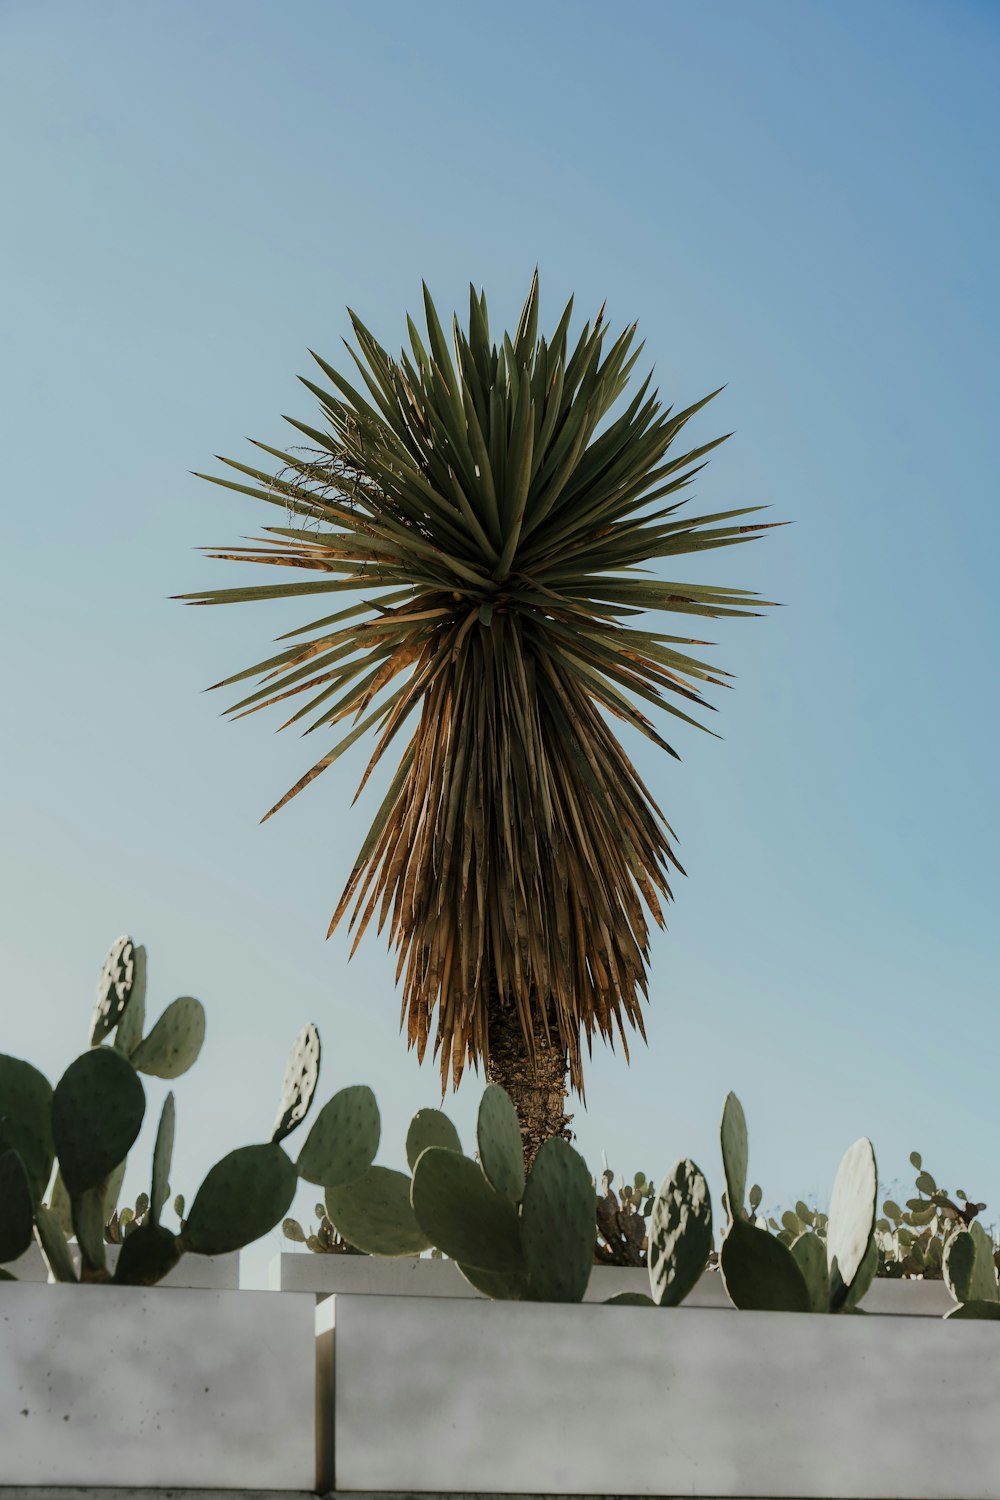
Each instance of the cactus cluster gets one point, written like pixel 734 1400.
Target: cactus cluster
pixel 323 1240
pixel 513 1236
pixel 969 1265
pixel 910 1241
pixel 86 1126
pixel 810 1272
pixel 622 1237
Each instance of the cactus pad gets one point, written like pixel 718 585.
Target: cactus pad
pixel 853 1209
pixel 373 1214
pixel 558 1224
pixel 733 1132
pixel 146 1256
pixel 97 1110
pixel 174 1042
pixel 984 1286
pixel 88 1226
pixel 861 1284
pixel 113 989
pixel 299 1083
pixel 759 1272
pixel 243 1197
pixel 629 1299
pixel 16 1207
pixel 430 1127
pixel 501 1149
pixel 680 1234
pixel 129 1032
pixel 53 1245
pixel 497 1285
pixel 26 1120
pixel 162 1153
pixel 968 1267
pixel 344 1138
pixel 975 1310
pixel 809 1253
pixel 463 1215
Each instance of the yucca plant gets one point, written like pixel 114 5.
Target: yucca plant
pixel 491 518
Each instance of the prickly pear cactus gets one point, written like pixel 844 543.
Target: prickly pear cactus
pixel 26 1120
pixel 733 1132
pixel 344 1138
pixel 430 1127
pixel 373 1213
pixel 809 1253
pixel 97 1110
pixel 147 1256
pixel 88 1226
pixel 244 1196
pixel 54 1245
pixel 162 1155
pixel 174 1042
pixel 558 1226
pixel 622 1238
pixel 680 1234
pixel 114 988
pixel 969 1270
pixel 759 1272
pixel 851 1226
pixel 16 1207
pixel 463 1215
pixel 128 1033
pixel 498 1285
pixel 501 1149
pixel 299 1084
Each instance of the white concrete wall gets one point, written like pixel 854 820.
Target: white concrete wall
pixel 516 1398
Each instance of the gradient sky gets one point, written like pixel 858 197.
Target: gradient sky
pixel 797 200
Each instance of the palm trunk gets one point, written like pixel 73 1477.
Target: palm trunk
pixel 539 1092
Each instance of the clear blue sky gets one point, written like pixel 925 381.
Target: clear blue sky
pixel 800 200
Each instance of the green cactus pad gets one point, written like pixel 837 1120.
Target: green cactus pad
pixel 342 1143
pixel 501 1149
pixel 97 1110
pixel 809 1253
pixel 975 1310
pixel 759 1273
pixel 497 1285
pixel 853 1211
pixel 60 1205
pixel 680 1234
pixel 26 1120
pixel 430 1127
pixel 243 1197
pixel 114 988
pixel 53 1244
pixel 463 1215
pixel 984 1286
pixel 558 1224
pixel 88 1226
pixel 16 1207
pixel 861 1284
pixel 299 1084
pixel 129 1032
pixel 112 1190
pixel 373 1214
pixel 733 1135
pixel 968 1271
pixel 174 1042
pixel 629 1299
pixel 162 1154
pixel 146 1256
